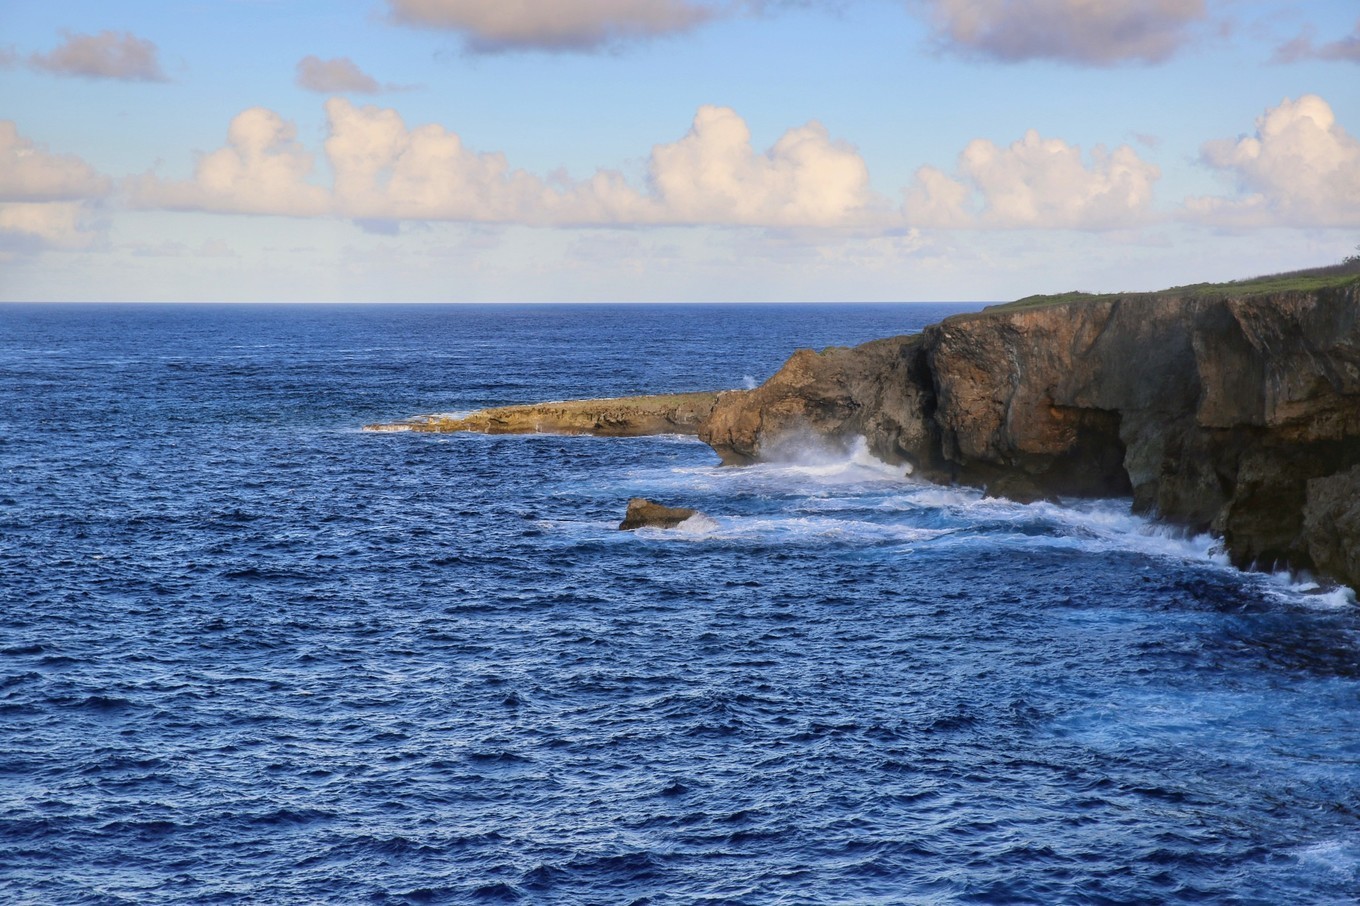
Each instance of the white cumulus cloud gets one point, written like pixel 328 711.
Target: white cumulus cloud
pixel 106 55
pixel 46 200
pixel 1034 183
pixel 386 171
pixel 715 175
pixel 34 227
pixel 31 173
pixel 1300 168
pixel 262 170
pixel 499 25
pixel 1092 32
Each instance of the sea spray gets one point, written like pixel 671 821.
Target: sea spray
pixel 819 493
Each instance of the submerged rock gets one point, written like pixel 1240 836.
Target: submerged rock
pixel 644 513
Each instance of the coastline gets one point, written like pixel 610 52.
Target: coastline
pixel 1231 409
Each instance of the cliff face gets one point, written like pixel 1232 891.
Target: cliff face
pixel 1238 415
pixel 878 391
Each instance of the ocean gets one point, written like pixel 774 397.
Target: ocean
pixel 252 654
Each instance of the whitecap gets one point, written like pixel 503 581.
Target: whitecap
pixel 1303 590
pixel 1338 856
pixel 824 493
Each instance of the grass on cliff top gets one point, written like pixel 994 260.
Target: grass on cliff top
pixel 1293 281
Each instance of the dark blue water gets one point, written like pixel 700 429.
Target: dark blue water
pixel 249 654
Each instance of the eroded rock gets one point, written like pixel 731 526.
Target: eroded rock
pixel 1236 415
pixel 644 513
pixel 629 416
pixel 1331 524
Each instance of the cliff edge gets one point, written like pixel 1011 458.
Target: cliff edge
pixel 1233 413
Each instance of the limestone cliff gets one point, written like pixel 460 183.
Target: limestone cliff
pixel 1237 414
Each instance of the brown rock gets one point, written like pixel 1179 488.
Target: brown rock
pixel 629 416
pixel 643 513
pixel 1331 525
pixel 1238 415
pixel 879 391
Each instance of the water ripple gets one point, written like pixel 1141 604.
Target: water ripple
pixel 248 654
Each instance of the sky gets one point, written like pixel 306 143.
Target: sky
pixel 670 150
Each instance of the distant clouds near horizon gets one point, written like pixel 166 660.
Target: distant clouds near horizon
pixel 802 196
pixel 1303 168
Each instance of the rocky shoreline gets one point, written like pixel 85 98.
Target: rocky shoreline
pixel 1239 416
pixel 629 416
pixel 1235 414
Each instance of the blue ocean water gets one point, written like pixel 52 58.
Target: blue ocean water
pixel 250 654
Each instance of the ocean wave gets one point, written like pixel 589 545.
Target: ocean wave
pixel 433 670
pixel 817 494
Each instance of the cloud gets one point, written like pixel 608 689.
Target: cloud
pixel 384 171
pixel 1088 32
pixel 338 76
pixel 262 170
pixel 107 55
pixel 1302 48
pixel 34 227
pixel 554 25
pixel 46 199
pixel 209 248
pixel 1036 183
pixel 714 175
pixel 30 173
pixel 379 227
pixel 1301 168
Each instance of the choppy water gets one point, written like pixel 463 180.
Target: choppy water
pixel 249 654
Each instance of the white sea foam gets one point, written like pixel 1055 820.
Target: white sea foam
pixel 856 466
pixel 699 526
pixel 1338 856
pixel 767 529
pixel 830 495
pixel 1306 591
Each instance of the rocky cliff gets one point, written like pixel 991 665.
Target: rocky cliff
pixel 1236 414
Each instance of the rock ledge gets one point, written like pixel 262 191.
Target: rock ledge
pixel 628 416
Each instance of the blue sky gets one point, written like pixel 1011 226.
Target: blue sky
pixel 639 150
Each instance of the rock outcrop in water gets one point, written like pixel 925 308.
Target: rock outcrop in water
pixel 644 513
pixel 1238 415
pixel 629 416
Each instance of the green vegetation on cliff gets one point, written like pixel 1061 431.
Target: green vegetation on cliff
pixel 1309 280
